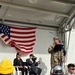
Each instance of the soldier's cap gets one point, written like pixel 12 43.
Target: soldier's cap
pixel 6 66
pixel 55 38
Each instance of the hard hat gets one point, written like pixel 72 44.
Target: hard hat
pixel 58 67
pixel 6 67
pixel 57 70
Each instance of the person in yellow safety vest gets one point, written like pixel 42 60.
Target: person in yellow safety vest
pixel 6 67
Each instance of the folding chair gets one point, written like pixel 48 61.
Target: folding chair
pixel 16 72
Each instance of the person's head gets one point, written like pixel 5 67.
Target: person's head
pixel 31 56
pixel 71 68
pixel 56 40
pixel 6 67
pixel 18 55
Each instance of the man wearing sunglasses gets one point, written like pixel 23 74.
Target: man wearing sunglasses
pixel 71 69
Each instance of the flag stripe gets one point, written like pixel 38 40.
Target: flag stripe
pixel 23 51
pixel 24 40
pixel 15 32
pixel 3 35
pixel 11 34
pixel 7 39
pixel 23 28
pixel 26 48
pixel 27 44
pixel 14 36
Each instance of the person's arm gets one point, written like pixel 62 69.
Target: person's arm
pixel 63 55
pixel 36 63
pixel 51 47
pixel 15 62
pixel 64 52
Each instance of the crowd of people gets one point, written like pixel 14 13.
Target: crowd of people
pixel 6 68
pixel 57 52
pixel 31 65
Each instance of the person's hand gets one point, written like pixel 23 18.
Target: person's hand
pixel 38 62
pixel 63 60
pixel 20 66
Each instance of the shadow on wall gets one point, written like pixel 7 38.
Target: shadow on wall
pixel 42 66
pixel 6 48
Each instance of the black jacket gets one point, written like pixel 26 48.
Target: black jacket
pixel 18 62
pixel 31 63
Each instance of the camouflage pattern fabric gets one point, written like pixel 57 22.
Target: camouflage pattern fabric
pixel 56 57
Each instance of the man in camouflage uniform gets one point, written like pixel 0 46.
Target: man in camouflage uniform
pixel 57 57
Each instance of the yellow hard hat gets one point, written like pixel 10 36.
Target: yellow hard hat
pixel 6 66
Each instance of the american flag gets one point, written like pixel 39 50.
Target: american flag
pixel 22 38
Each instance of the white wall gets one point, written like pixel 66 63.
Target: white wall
pixel 71 48
pixel 43 39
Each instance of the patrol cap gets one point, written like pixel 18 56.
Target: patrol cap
pixel 55 38
pixel 6 67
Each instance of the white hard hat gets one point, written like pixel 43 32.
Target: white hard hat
pixel 58 67
pixel 57 70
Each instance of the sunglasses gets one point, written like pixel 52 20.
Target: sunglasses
pixel 72 69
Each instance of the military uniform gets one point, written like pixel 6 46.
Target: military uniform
pixel 56 57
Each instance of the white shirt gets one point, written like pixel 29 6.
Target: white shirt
pixel 70 74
